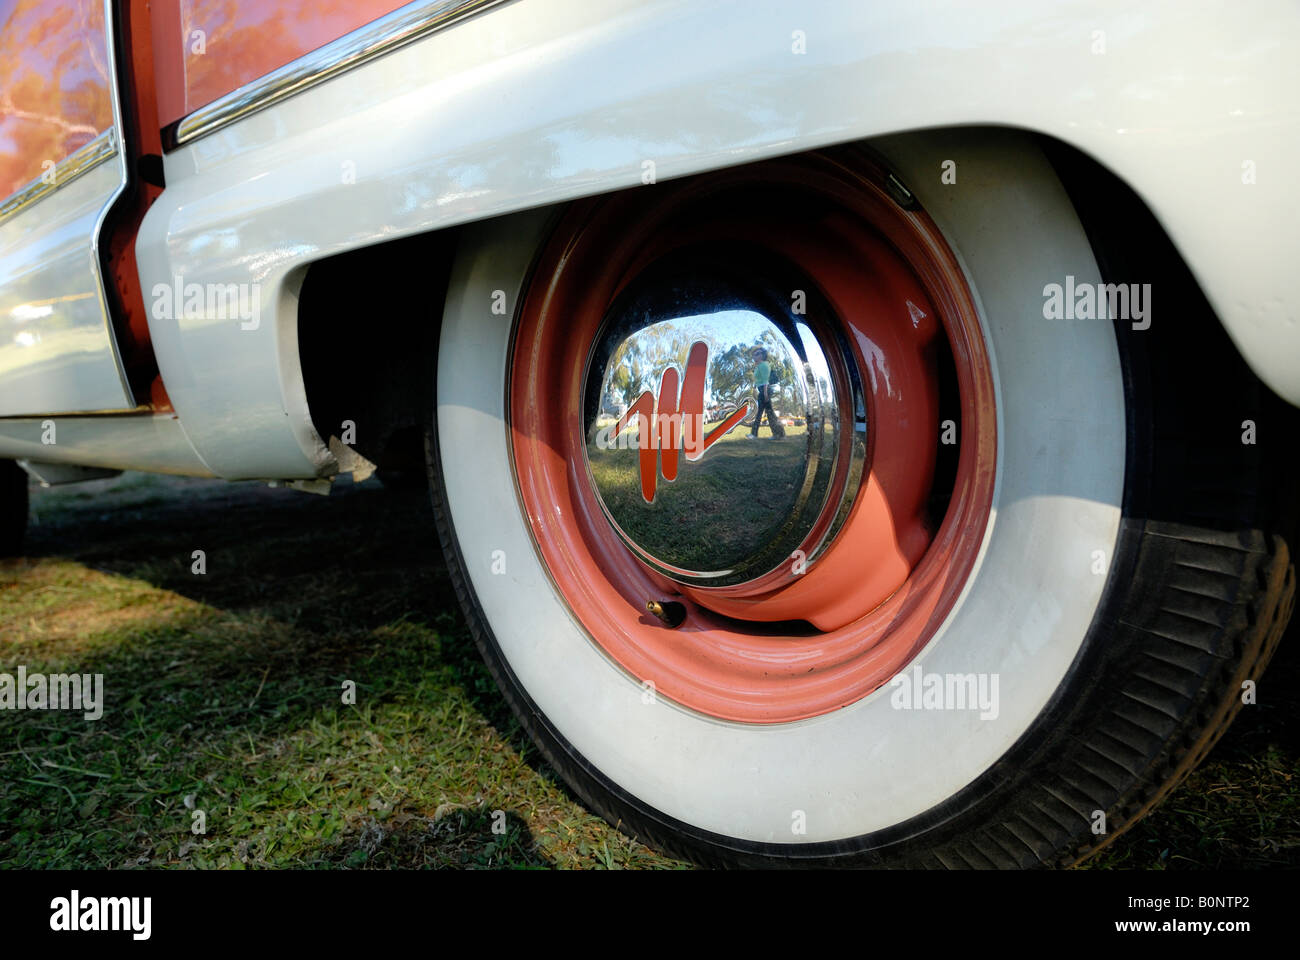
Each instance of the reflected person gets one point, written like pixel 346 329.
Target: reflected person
pixel 763 392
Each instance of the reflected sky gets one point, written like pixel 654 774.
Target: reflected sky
pixel 54 96
pixel 638 363
pixel 243 41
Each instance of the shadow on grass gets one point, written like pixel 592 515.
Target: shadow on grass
pixel 225 697
pixel 225 692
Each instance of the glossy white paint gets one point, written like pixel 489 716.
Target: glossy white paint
pixel 150 442
pixel 56 348
pixel 533 103
pixel 1022 616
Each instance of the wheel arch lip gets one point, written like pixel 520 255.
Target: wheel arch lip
pixel 1178 142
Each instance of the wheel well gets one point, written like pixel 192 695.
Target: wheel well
pixel 383 384
pixel 368 322
pixel 1141 249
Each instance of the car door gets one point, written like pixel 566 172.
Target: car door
pixel 61 168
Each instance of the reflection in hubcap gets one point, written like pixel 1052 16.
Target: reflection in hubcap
pixel 725 434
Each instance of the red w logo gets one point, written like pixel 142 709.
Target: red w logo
pixel 660 425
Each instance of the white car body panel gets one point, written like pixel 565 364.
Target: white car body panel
pixel 57 351
pixel 532 103
pixel 154 443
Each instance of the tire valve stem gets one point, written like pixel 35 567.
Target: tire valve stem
pixel 670 612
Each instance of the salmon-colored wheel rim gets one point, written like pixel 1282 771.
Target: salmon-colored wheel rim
pixel 772 650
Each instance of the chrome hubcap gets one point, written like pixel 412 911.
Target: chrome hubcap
pixel 726 429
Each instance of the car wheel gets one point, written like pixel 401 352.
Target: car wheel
pixel 976 612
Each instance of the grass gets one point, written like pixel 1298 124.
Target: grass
pixel 224 695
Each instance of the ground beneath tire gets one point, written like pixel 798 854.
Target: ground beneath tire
pixel 224 693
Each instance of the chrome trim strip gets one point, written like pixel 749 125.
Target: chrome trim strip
pixel 123 177
pixel 404 25
pixel 84 158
